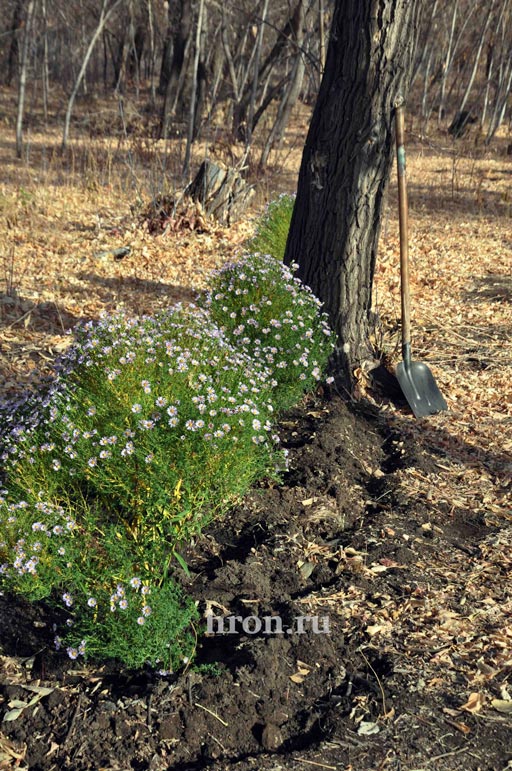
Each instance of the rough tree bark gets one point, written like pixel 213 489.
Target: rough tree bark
pixel 346 164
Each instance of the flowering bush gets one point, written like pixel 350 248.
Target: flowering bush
pixel 275 320
pixel 117 604
pixel 153 427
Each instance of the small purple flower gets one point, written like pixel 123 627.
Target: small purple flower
pixel 67 599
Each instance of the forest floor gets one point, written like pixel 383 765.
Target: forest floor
pixel 394 533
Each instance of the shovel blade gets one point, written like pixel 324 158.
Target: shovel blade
pixel 420 388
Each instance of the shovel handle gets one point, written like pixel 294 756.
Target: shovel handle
pixel 403 217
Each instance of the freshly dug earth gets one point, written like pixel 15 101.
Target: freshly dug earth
pixel 407 668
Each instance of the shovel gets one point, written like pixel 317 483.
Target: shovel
pixel 415 378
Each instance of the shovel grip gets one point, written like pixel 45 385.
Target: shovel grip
pixel 404 227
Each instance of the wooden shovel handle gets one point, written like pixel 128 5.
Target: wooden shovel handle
pixel 404 227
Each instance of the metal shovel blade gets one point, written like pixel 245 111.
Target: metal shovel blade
pixel 415 378
pixel 419 388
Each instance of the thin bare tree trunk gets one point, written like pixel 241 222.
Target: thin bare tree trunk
pixel 104 16
pixel 14 46
pixel 321 23
pixel 476 62
pixel 501 101
pixel 490 70
pixel 291 94
pixel 447 64
pixel 23 78
pixel 180 16
pixel 283 113
pixel 254 87
pixel 191 120
pixel 229 58
pixel 46 69
pixel 151 52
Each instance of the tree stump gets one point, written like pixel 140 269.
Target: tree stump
pixel 221 191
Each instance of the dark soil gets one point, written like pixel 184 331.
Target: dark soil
pixel 336 543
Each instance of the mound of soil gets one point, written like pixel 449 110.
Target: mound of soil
pixel 307 581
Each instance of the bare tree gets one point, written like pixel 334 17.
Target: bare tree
pixel 17 18
pixel 193 105
pixel 182 20
pixel 23 76
pixel 106 12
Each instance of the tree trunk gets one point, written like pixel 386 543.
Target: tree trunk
pixel 447 65
pixel 255 78
pixel 23 78
pixel 151 52
pixel 291 93
pixel 321 34
pixel 193 97
pixel 346 163
pixel 46 69
pixel 104 16
pixel 472 77
pixel 14 47
pixel 182 24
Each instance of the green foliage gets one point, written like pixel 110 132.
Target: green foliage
pixel 151 428
pixel 274 319
pixel 117 605
pixel 272 230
